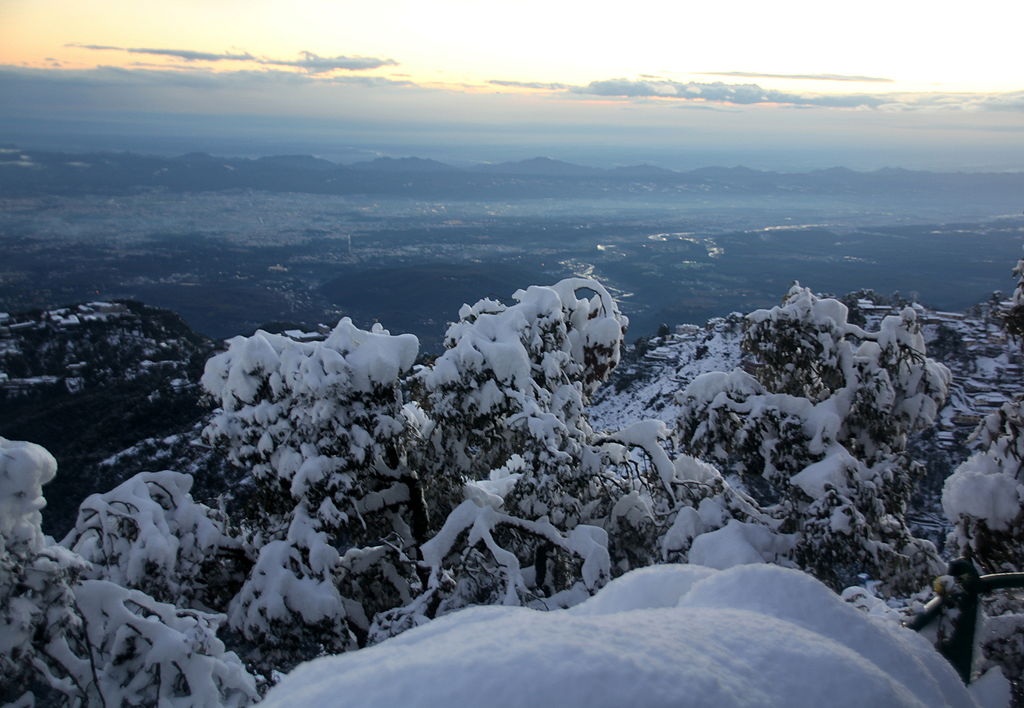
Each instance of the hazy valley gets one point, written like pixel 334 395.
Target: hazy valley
pixel 422 238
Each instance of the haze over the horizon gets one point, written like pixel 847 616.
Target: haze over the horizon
pixel 789 85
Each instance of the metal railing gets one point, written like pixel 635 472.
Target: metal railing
pixel 960 590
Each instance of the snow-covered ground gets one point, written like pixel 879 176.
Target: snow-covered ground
pixel 674 635
pixel 646 388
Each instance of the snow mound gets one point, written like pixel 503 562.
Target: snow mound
pixel 661 636
pixel 24 468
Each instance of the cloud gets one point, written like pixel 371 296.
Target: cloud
pixel 91 85
pixel 181 68
pixel 256 79
pixel 184 54
pixel 120 96
pixel 316 64
pixel 529 84
pixel 695 93
pixel 312 63
pixel 963 102
pixel 739 94
pixel 809 77
pixel 369 81
pixel 1012 101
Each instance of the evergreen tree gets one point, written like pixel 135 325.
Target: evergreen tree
pixel 336 513
pixel 148 534
pixel 984 497
pixel 92 642
pixel 35 580
pixel 820 429
pixel 984 500
pixel 1015 317
pixel 506 410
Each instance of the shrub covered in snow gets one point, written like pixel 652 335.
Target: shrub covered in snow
pixel 148 533
pixel 35 600
pixel 505 405
pixel 24 469
pixel 984 497
pixel 93 642
pixel 984 500
pixel 821 425
pixel 514 380
pixel 323 429
pixel 1015 317
pixel 143 652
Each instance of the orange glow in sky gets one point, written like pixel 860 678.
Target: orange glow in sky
pixel 919 46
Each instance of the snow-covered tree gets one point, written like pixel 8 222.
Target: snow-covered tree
pixel 984 500
pixel 35 597
pixel 379 496
pixel 704 519
pixel 984 497
pixel 1015 317
pixel 149 534
pixel 492 459
pixel 144 652
pixel 511 373
pixel 818 432
pixel 336 512
pixel 92 642
pixel 505 405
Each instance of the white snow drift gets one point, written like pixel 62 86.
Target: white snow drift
pixel 672 635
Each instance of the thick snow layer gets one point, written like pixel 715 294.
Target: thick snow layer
pixel 662 636
pixel 350 359
pixel 160 546
pixel 738 543
pixel 979 488
pixel 24 468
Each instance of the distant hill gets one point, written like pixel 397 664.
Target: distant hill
pixel 35 173
pixel 542 167
pixel 94 381
pixel 298 162
pixel 643 172
pixel 403 165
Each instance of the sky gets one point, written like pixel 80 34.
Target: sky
pixel 790 84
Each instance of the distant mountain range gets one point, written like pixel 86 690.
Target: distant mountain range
pixel 36 172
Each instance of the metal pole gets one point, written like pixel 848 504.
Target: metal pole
pixel 958 648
